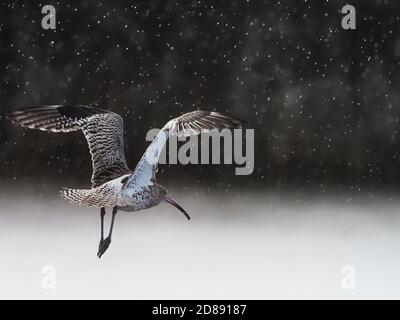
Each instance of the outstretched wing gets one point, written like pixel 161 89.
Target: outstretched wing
pixel 191 123
pixel 103 131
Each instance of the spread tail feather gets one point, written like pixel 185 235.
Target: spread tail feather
pixel 78 196
pixel 89 197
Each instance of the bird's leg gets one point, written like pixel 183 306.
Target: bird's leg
pixel 101 243
pixel 102 213
pixel 114 212
pixel 105 243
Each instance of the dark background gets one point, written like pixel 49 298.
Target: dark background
pixel 324 102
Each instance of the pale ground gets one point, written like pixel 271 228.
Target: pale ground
pixel 235 247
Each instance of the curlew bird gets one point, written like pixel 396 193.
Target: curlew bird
pixel 113 183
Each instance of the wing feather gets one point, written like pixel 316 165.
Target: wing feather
pixel 103 130
pixel 192 123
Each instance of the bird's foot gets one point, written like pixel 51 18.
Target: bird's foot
pixel 103 246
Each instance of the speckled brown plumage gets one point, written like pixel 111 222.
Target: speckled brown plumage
pixel 103 131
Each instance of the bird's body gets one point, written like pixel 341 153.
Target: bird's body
pixel 114 193
pixel 113 183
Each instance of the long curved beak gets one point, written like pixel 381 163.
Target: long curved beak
pixel 172 202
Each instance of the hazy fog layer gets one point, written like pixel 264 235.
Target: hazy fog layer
pixel 233 248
